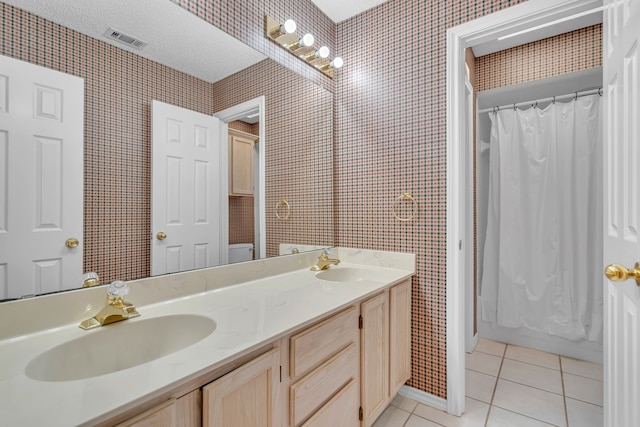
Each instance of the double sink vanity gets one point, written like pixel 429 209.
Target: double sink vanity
pixel 262 343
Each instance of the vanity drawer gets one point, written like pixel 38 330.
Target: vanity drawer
pixel 321 341
pixel 340 411
pixel 319 385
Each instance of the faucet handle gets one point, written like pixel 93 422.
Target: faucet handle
pixel 90 279
pixel 117 289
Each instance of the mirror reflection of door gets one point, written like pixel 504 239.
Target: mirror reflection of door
pixel 185 193
pixel 41 173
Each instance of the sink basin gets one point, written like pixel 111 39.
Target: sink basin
pixel 119 346
pixel 348 274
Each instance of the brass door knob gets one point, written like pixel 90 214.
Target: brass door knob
pixel 161 235
pixel 71 243
pixel 619 273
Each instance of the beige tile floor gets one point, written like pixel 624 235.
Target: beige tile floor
pixel 510 386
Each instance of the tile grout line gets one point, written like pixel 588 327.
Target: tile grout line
pixel 534 387
pixel 564 395
pixel 495 386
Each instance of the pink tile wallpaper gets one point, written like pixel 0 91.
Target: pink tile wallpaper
pixel 299 150
pixel 391 139
pixel 566 53
pixel 388 139
pixel 119 87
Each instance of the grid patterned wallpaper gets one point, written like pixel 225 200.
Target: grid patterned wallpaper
pixel 389 132
pixel 119 87
pixel 244 19
pixel 566 53
pixel 391 138
pixel 241 229
pixel 298 122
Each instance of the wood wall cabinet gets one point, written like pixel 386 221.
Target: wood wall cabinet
pixel 246 397
pixel 241 164
pixel 385 340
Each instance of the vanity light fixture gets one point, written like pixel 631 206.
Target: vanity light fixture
pixel 323 52
pixel 305 41
pixel 289 27
pixel 337 62
pixel 302 47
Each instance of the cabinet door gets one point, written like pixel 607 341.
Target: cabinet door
pixel 246 397
pixel 163 415
pixel 374 356
pixel 189 410
pixel 340 411
pixel 241 173
pixel 399 336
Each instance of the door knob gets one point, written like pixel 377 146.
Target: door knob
pixel 619 273
pixel 161 235
pixel 71 243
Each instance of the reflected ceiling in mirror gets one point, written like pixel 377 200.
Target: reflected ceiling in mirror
pixel 168 34
pixel 119 86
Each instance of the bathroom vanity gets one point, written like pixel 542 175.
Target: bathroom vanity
pixel 262 343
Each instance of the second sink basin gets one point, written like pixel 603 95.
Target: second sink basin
pixel 348 274
pixel 119 346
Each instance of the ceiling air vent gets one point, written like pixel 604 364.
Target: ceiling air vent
pixel 125 38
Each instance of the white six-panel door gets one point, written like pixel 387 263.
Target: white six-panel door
pixel 41 179
pixel 622 211
pixel 185 190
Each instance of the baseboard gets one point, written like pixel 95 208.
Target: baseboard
pixel 473 343
pixel 423 397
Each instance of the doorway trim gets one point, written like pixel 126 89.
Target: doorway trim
pixel 256 105
pixel 485 29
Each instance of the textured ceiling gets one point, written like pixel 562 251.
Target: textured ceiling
pixel 175 37
pixel 339 10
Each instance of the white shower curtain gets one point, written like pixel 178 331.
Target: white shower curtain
pixel 542 255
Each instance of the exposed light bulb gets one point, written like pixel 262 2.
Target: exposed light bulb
pixel 323 52
pixel 288 27
pixel 337 62
pixel 307 40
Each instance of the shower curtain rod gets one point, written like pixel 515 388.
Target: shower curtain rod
pixel 534 103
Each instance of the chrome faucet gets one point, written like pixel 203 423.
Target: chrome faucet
pixel 324 261
pixel 115 310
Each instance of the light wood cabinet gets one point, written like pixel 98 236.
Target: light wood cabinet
pixel 342 371
pixel 374 361
pixel 241 164
pixel 163 415
pixel 246 397
pixel 385 341
pixel 336 412
pixel 324 364
pixel 185 411
pixel 189 410
pixel 399 336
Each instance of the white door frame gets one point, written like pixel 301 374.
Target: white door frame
pixel 256 105
pixel 488 28
pixel 466 204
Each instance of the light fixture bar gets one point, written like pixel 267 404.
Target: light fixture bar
pixel 302 47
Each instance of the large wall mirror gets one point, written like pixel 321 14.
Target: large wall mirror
pixel 189 64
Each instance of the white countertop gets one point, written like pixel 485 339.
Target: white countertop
pixel 248 316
